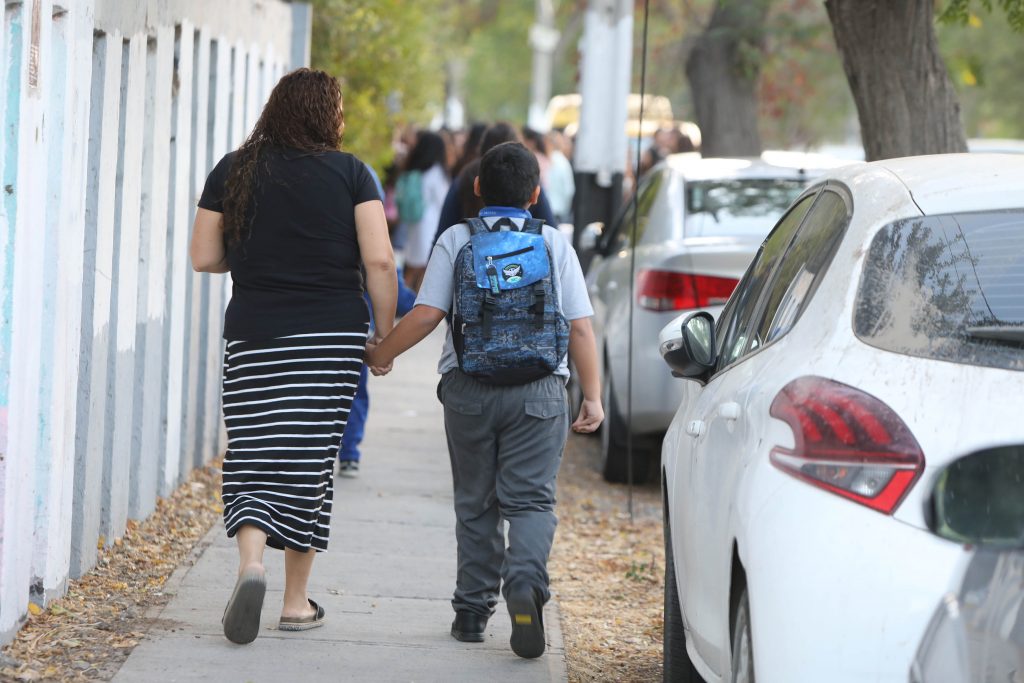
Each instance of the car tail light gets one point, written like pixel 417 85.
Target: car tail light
pixel 665 290
pixel 847 442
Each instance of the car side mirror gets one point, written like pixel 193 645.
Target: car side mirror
pixel 590 236
pixel 979 499
pixel 690 352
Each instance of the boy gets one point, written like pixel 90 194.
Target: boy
pixel 505 440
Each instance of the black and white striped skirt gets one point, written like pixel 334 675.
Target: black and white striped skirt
pixel 286 402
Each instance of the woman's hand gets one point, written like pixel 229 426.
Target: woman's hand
pixel 590 418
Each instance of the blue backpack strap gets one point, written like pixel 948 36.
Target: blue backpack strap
pixel 534 226
pixel 477 226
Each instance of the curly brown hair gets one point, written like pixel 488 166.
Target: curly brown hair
pixel 303 112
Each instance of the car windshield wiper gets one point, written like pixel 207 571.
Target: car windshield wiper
pixel 1006 334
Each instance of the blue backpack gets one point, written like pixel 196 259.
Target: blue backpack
pixel 507 327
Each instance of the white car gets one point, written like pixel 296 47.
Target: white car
pixel 877 335
pixel 699 222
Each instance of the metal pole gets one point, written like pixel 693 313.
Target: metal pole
pixel 543 39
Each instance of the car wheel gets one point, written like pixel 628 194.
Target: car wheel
pixel 614 446
pixel 742 643
pixel 677 667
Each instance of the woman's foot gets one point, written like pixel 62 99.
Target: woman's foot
pixel 304 610
pixel 242 615
pixel 251 568
pixel 314 619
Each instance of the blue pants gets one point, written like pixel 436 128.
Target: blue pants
pixel 356 427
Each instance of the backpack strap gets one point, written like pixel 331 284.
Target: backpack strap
pixel 538 304
pixel 477 226
pixel 486 314
pixel 534 226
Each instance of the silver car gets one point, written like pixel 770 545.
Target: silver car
pixel 698 224
pixel 977 632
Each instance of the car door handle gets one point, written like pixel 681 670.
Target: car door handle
pixel 729 411
pixel 695 428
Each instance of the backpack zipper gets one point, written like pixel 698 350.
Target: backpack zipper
pixel 517 252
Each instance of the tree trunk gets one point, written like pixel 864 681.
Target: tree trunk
pixel 723 69
pixel 905 101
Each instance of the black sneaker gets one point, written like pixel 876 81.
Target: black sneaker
pixel 468 627
pixel 348 468
pixel 527 613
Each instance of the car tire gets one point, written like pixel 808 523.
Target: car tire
pixel 614 445
pixel 742 642
pixel 676 664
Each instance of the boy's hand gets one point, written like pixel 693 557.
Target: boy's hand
pixel 374 362
pixel 590 418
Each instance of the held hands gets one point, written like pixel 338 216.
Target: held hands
pixel 374 361
pixel 590 418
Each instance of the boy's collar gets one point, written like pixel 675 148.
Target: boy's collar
pixel 504 212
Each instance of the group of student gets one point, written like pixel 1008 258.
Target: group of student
pixel 432 186
pixel 301 227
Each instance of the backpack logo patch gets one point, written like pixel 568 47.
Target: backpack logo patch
pixel 512 273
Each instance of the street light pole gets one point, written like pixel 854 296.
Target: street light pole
pixel 543 39
pixel 601 144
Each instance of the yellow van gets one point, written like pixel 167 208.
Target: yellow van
pixel 564 113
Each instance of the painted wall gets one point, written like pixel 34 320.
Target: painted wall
pixel 113 113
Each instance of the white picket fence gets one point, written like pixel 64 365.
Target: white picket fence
pixel 113 113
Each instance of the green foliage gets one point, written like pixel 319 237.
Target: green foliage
pixel 643 572
pixel 498 59
pixel 805 99
pixel 959 12
pixel 984 57
pixel 384 51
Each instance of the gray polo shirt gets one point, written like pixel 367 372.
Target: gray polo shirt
pixel 438 288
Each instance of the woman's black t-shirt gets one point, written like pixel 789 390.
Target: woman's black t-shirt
pixel 297 271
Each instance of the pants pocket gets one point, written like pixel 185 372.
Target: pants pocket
pixel 545 408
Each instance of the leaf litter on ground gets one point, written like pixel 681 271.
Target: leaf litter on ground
pixel 607 572
pixel 88 633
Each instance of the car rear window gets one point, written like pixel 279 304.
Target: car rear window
pixel 745 206
pixel 947 287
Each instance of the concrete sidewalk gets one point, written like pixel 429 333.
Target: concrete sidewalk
pixel 385 583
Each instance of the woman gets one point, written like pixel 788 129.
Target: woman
pixel 462 202
pixel 427 163
pixel 291 218
pixel 470 148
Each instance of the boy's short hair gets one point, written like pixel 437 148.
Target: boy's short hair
pixel 508 175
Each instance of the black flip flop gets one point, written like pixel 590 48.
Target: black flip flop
pixel 305 623
pixel 527 616
pixel 242 614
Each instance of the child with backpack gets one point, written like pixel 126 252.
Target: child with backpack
pixel 419 194
pixel 516 302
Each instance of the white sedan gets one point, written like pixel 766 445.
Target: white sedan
pixel 698 224
pixel 877 335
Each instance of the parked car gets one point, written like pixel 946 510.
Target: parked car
pixel 977 631
pixel 1000 145
pixel 699 222
pixel 877 335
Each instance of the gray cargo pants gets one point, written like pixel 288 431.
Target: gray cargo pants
pixel 505 445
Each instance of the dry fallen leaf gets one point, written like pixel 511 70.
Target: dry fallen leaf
pixel 606 572
pixel 88 633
